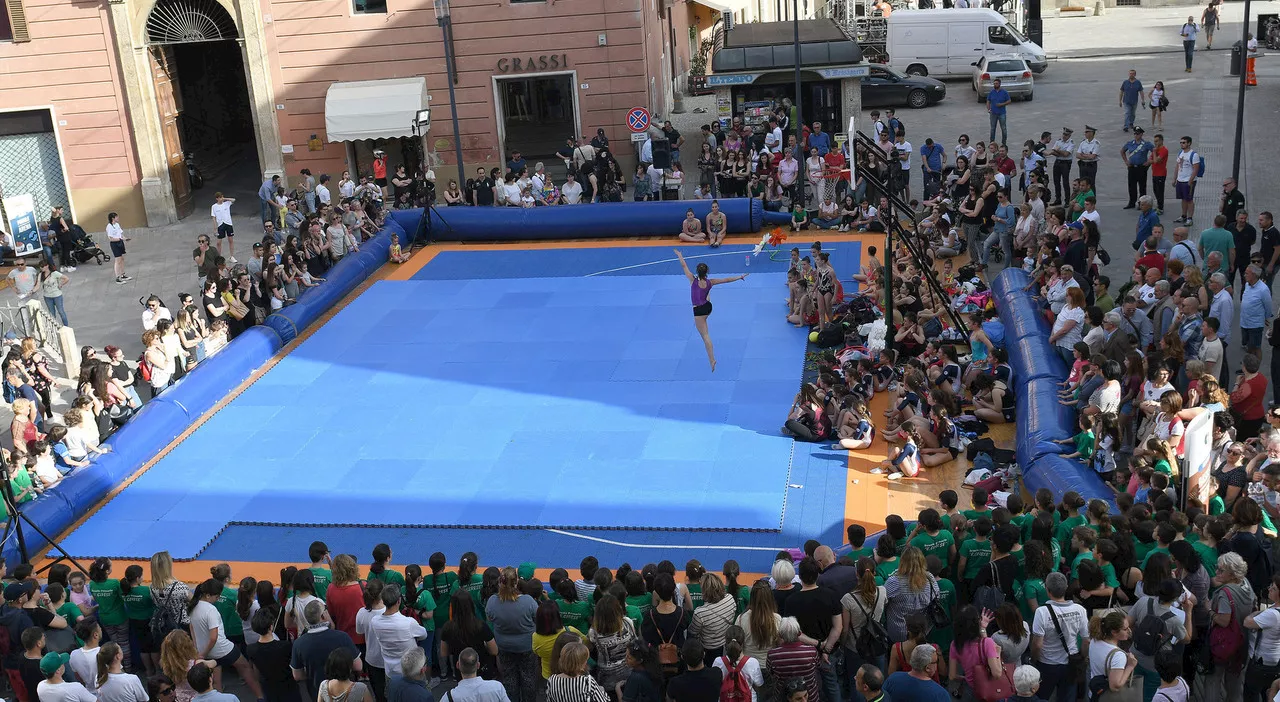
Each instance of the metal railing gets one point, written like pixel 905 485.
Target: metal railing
pixel 33 320
pixel 907 237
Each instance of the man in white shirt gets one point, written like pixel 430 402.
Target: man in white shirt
pixel 1090 211
pixel 1211 347
pixel 221 213
pixel 25 279
pixel 473 688
pixel 1187 169
pixel 1087 157
pixel 53 688
pixel 323 196
pixel 773 137
pixel 571 191
pixel 903 149
pixel 394 632
pixel 1059 628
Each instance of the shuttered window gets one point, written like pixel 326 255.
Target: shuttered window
pixel 13 21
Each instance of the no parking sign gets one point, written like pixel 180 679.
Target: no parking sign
pixel 638 120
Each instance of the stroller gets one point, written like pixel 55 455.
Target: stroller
pixel 83 247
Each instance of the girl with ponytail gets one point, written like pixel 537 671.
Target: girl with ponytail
pixel 115 685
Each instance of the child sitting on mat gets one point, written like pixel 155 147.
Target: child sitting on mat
pixel 395 254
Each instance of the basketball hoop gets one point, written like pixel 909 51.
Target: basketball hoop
pixel 830 181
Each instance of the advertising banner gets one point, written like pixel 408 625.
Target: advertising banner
pixel 20 213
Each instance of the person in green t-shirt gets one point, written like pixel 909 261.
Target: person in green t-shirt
pixel 948 499
pixel 1083 540
pixel 471 581
pixel 638 596
pixel 1104 553
pixel 1082 442
pixel 942 636
pixel 574 613
pixel 857 535
pixel 1211 532
pixel 895 528
pixel 227 601
pixel 1165 535
pixel 731 571
pixel 442 584
pixel 63 608
pixel 886 559
pixel 975 553
pixel 693 572
pixel 980 509
pixel 319 555
pixel 1030 591
pixel 379 569
pixel 139 607
pixel 1217 238
pixel 23 490
pixel 1072 502
pixel 932 539
pixel 111 615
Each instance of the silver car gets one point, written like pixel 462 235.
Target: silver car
pixel 1013 72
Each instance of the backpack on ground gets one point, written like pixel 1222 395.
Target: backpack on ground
pixel 1225 641
pixel 735 687
pixel 830 336
pixel 1151 634
pixel 873 640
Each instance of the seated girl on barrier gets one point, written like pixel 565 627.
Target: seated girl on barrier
pixel 394 254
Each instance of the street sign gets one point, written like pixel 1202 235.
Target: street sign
pixel 639 137
pixel 638 119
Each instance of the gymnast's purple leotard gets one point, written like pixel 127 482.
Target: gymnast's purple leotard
pixel 700 298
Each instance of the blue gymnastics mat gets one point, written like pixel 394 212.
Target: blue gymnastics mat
pixel 509 389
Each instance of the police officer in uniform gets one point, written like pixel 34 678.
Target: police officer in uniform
pixel 1087 156
pixel 1063 151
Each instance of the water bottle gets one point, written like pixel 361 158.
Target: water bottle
pixel 748 260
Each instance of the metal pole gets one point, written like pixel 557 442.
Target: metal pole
pixel 799 121
pixel 1244 58
pixel 888 286
pixel 446 24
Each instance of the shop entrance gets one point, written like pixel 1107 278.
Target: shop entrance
pixel 203 99
pixel 821 99
pixel 536 114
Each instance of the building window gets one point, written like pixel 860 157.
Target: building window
pixel 369 7
pixel 13 21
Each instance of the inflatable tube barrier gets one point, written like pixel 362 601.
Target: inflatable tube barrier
pixel 593 221
pixel 339 281
pixel 165 418
pixel 1041 418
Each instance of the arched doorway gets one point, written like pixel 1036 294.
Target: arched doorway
pixel 203 99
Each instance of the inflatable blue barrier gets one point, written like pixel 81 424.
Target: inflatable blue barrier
pixel 1061 475
pixel 1022 317
pixel 592 221
pixel 1009 280
pixel 1032 357
pixel 1041 418
pixel 164 419
pixel 339 281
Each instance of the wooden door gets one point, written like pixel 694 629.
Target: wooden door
pixel 164 69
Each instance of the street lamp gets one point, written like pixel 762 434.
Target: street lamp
pixel 1244 58
pixel 445 21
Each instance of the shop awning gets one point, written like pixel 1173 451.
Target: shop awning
pixel 722 9
pixel 373 109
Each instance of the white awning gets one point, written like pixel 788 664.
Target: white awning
pixel 373 109
pixel 718 7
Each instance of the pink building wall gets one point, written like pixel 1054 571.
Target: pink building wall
pixel 313 43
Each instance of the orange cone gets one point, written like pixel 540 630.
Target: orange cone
pixel 1250 75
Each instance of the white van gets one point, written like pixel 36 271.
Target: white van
pixel 944 43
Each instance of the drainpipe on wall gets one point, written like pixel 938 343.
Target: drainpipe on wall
pixel 677 106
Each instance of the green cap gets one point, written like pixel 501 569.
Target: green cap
pixel 53 662
pixel 526 569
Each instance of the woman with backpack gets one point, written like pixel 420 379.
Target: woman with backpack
pixel 865 639
pixel 1232 603
pixel 740 674
pixel 1110 667
pixel 170 596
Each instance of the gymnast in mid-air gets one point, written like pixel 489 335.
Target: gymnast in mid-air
pixel 700 294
